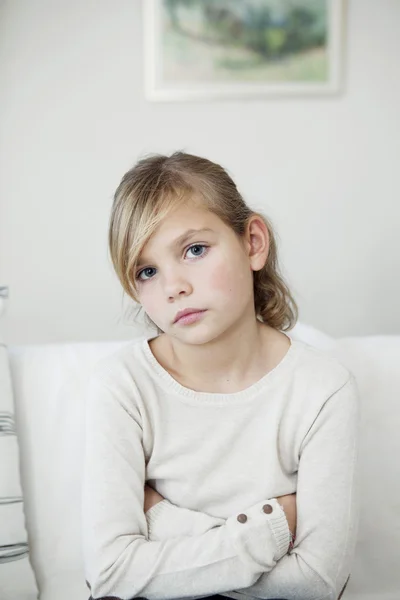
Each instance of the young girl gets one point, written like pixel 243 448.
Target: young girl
pixel 210 445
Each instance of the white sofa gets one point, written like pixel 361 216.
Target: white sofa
pixel 49 391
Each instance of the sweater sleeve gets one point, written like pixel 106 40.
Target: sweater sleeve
pixel 327 509
pixel 166 520
pixel 119 559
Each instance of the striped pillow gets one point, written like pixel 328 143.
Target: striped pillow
pixel 17 581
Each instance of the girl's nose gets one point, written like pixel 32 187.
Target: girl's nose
pixel 175 285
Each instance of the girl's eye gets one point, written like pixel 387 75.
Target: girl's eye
pixel 197 250
pixel 145 274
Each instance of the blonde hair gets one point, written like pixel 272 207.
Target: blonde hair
pixel 154 187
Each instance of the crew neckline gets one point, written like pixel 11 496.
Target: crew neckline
pixel 165 378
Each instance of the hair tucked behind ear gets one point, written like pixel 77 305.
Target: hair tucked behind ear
pixel 274 304
pixel 158 184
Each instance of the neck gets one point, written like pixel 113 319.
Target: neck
pixel 226 362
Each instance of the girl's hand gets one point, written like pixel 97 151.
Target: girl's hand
pixel 151 497
pixel 288 503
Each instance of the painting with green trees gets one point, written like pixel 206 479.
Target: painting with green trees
pixel 225 42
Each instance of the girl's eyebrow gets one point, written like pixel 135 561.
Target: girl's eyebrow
pixel 187 235
pixel 180 241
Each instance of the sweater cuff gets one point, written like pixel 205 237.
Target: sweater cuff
pixel 261 534
pixel 166 520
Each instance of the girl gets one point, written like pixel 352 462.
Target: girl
pixel 209 443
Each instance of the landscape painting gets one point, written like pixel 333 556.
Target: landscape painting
pixel 221 48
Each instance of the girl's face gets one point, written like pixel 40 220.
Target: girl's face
pixel 195 261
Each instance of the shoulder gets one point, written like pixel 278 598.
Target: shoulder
pixel 120 365
pixel 310 365
pixel 113 383
pixel 322 389
pixel 317 369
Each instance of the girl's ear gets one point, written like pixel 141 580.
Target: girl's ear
pixel 257 242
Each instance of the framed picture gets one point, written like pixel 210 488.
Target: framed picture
pixel 210 49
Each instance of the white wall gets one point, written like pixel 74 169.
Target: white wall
pixel 73 119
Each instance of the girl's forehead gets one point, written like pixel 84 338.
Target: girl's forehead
pixel 187 217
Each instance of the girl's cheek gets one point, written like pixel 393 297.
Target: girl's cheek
pixel 228 276
pixel 221 277
pixel 144 297
pixel 149 298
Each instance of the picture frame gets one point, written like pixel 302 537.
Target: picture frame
pixel 217 49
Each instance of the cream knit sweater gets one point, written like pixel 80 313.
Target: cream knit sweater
pixel 214 457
